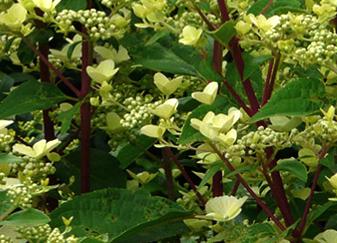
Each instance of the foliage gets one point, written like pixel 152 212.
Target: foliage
pixel 168 120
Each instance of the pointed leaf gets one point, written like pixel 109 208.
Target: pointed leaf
pixel 32 96
pixel 294 167
pixel 26 217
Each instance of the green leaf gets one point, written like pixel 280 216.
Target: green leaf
pixel 26 217
pixel 298 98
pixel 329 160
pixel 124 215
pixel 30 96
pixel 189 134
pixel 253 63
pixel 25 54
pixel 225 33
pixel 104 170
pixel 72 4
pixel 6 207
pixel 9 159
pixel 168 56
pixel 72 48
pixel 66 117
pixel 6 83
pixel 215 167
pixel 241 170
pixel 294 167
pixel 128 152
pixel 277 7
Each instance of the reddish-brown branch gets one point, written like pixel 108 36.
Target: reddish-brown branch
pixel 85 113
pixel 238 98
pixel 265 9
pixel 258 200
pixel 58 73
pixel 167 166
pixel 235 187
pixel 301 226
pixel 270 83
pixel 210 25
pixel 172 157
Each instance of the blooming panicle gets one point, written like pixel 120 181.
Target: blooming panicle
pixel 224 208
pixel 208 95
pixel 103 72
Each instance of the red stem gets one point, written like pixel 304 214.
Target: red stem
pixel 265 9
pixel 85 113
pixel 43 59
pixel 167 166
pixel 169 154
pixel 300 228
pixel 258 200
pixel 270 83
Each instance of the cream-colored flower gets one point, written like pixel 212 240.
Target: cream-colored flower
pixel 14 17
pixel 190 35
pixel 46 5
pixel 208 95
pixel 109 53
pixel 243 27
pixel 103 72
pixel 5 123
pixel 153 131
pixel 333 181
pixel 165 85
pixel 39 149
pixel 224 208
pixel 167 109
pixel 328 236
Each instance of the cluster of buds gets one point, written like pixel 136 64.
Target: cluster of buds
pixel 35 234
pixel 299 38
pixel 97 23
pixel 5 239
pixel 58 237
pixel 21 195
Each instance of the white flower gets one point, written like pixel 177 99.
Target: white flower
pixel 208 95
pixel 328 236
pixel 165 85
pixel 39 149
pixel 109 53
pixel 333 181
pixel 167 109
pixel 224 208
pixel 190 35
pixel 46 5
pixel 5 123
pixel 14 17
pixel 103 72
pixel 153 131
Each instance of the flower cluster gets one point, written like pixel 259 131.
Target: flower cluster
pixel 97 23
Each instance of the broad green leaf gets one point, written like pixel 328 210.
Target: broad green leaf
pixel 294 167
pixel 104 170
pixel 9 158
pixel 329 160
pixel 30 96
pixel 6 83
pixel 225 33
pixel 277 7
pixel 72 4
pixel 25 54
pixel 66 117
pixel 124 215
pixel 6 207
pixel 26 217
pixel 40 35
pixel 168 56
pixel 318 211
pixel 298 98
pixel 189 134
pixel 217 166
pixel 72 48
pixel 128 152
pixel 252 64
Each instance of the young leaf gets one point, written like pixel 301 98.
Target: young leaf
pixel 298 98
pixel 26 217
pixel 124 215
pixel 9 158
pixel 225 33
pixel 32 96
pixel 294 167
